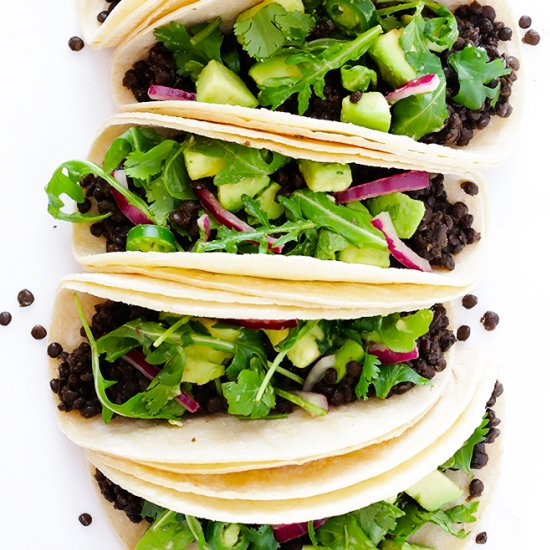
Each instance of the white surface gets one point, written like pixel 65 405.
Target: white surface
pixel 53 100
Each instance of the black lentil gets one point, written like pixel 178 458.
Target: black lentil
pixel 531 37
pixel 355 97
pixel 490 320
pixel 475 488
pixel 470 188
pixel 104 14
pixel 54 350
pixel 38 332
pixel 463 333
pixel 76 43
pixel 525 21
pixel 25 297
pixel 5 318
pixel 469 301
pixel 481 538
pixel 85 519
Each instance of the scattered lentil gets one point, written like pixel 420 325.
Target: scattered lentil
pixel 76 43
pixel 463 333
pixel 525 21
pixel 469 301
pixel 25 297
pixel 470 188
pixel 481 538
pixel 475 488
pixel 38 332
pixel 490 320
pixel 54 350
pixel 85 519
pixel 5 318
pixel 531 37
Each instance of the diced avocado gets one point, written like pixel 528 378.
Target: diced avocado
pixel 371 111
pixel 230 194
pixel 357 78
pixel 268 201
pixel 227 334
pixel 434 491
pixel 196 351
pixel 288 5
pixel 199 165
pixel 390 58
pixel 202 365
pixel 360 207
pixel 275 67
pixel 405 213
pixel 328 244
pixel 276 336
pixel 391 545
pixel 350 351
pixel 369 256
pixel 325 176
pixel 218 84
pixel 305 350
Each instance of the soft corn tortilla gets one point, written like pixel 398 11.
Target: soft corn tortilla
pixel 325 505
pixel 489 147
pixel 330 474
pixel 90 250
pixel 224 438
pixel 128 17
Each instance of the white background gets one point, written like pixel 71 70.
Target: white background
pixel 52 101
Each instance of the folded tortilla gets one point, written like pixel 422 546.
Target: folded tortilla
pixel 197 268
pixel 489 147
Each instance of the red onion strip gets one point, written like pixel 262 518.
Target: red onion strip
pixel 291 531
pixel 164 93
pixel 266 324
pixel 135 215
pixel 422 85
pixel 204 224
pixel 389 357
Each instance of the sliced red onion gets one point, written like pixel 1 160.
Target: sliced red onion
pixel 408 181
pixel 291 531
pixel 264 324
pixel 204 225
pixel 398 249
pixel 138 361
pixel 164 93
pixel 318 371
pixel 317 399
pixel 421 85
pixel 389 357
pixel 223 216
pixel 135 215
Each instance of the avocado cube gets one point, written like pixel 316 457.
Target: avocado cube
pixel 276 336
pixel 405 213
pixel 230 194
pixel 434 491
pixel 218 84
pixel 305 350
pixel 371 111
pixel 268 201
pixel 369 256
pixel 275 67
pixel 350 351
pixel 325 176
pixel 199 165
pixel 202 364
pixel 226 334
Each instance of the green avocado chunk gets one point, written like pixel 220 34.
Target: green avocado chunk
pixel 218 84
pixel 268 201
pixel 350 351
pixel 230 194
pixel 305 350
pixel 369 256
pixel 199 165
pixel 390 58
pixel 328 244
pixel 275 67
pixel 371 111
pixel 202 364
pixel 325 176
pixel 434 491
pixel 405 213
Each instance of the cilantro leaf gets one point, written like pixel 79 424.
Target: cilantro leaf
pixel 344 533
pixel 271 28
pixel 369 373
pixel 249 344
pixel 390 375
pixel 462 459
pixel 241 395
pixel 254 208
pixel 378 519
pixel 175 178
pixel 169 530
pixel 261 538
pixel 151 510
pixel 475 71
pixel 143 165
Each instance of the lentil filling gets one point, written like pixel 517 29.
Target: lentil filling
pixel 74 384
pixel 477 25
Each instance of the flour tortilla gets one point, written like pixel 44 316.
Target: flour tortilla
pixel 90 250
pixel 293 439
pixel 330 504
pixel 128 17
pixel 489 147
pixel 329 474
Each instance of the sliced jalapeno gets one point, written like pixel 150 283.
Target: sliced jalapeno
pixel 352 16
pixel 150 238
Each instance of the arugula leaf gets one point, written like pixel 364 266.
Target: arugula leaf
pixel 475 71
pixel 241 395
pixel 249 344
pixel 151 510
pixel 390 375
pixel 357 78
pixel 369 373
pixel 328 244
pixel 344 533
pixel 143 165
pixel 271 28
pixel 315 62
pixel 261 538
pixel 169 530
pixel 254 208
pixel 462 459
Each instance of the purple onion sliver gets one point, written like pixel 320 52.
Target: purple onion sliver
pixel 164 93
pixel 422 85
pixel 389 357
pixel 135 215
pixel 264 324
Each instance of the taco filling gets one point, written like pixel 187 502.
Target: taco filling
pixel 110 5
pixel 140 363
pixel 406 67
pixel 442 499
pixel 196 194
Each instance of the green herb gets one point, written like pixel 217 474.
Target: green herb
pixel 357 78
pixel 134 139
pixel 301 402
pixel 441 32
pixel 475 71
pixel 369 373
pixel 249 345
pixel 391 375
pixel 169 530
pixel 151 510
pixel 399 333
pixel 328 244
pixel 271 28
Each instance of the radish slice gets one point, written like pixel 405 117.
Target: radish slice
pixel 259 324
pixel 138 361
pixel 422 85
pixel 223 216
pixel 135 215
pixel 161 93
pixel 389 357
pixel 408 181
pixel 318 371
pixel 317 399
pixel 292 531
pixel 204 224
pixel 398 249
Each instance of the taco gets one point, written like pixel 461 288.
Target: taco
pixel 106 23
pixel 209 371
pixel 441 502
pixel 163 196
pixel 399 83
